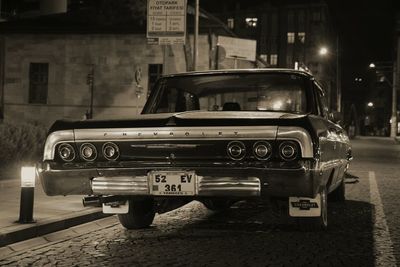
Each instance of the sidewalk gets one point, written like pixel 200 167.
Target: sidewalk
pixel 50 213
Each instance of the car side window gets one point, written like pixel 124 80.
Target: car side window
pixel 322 106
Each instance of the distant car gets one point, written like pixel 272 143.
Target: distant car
pixel 214 136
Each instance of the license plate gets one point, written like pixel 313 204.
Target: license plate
pixel 305 207
pixel 173 183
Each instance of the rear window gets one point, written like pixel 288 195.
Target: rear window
pixel 281 92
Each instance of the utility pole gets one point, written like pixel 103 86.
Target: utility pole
pixel 196 34
pixel 396 75
pixel 338 77
pixel 2 74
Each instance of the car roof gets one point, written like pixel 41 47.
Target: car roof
pixel 240 71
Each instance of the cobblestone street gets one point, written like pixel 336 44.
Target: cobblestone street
pixel 246 234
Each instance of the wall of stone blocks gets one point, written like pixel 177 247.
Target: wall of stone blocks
pixel 114 58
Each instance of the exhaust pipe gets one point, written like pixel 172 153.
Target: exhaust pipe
pixel 91 201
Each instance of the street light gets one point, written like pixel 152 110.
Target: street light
pixel 390 67
pixel 370 104
pixel 324 51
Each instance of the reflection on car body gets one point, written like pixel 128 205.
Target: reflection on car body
pixel 217 137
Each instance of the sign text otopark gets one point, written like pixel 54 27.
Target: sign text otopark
pixel 166 22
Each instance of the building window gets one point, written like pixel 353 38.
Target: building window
pixel 301 37
pixel 231 23
pixel 290 37
pixel 38 82
pixel 155 71
pixel 273 60
pixel 251 22
pixel 264 57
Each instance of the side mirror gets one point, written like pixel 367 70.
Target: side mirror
pixel 335 116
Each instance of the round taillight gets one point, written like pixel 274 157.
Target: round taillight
pixel 262 150
pixel 288 150
pixel 110 151
pixel 88 152
pixel 66 152
pixel 236 150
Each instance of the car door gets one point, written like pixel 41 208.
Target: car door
pixel 329 138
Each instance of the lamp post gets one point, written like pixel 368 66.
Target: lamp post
pixel 196 35
pixel 385 67
pixel 324 51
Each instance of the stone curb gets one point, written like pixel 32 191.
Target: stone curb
pixel 19 233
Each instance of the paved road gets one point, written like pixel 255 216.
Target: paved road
pixel 364 231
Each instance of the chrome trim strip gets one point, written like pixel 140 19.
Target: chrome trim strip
pixel 55 138
pixel 300 135
pixel 176 133
pixel 120 185
pixel 168 146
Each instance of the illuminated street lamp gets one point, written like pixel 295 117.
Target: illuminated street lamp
pixel 323 51
pixel 372 65
pixel 370 104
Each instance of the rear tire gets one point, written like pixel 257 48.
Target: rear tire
pixel 339 194
pixel 217 204
pixel 140 215
pixel 319 223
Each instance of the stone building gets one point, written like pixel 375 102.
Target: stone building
pixel 63 66
pixel 290 34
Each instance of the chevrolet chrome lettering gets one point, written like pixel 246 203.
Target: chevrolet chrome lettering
pixel 217 137
pixel 102 135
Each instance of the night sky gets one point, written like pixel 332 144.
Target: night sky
pixel 367 30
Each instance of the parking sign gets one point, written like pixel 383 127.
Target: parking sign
pixel 166 22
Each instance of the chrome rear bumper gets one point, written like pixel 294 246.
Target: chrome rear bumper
pixel 211 181
pixel 205 186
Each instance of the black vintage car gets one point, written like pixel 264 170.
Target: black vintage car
pixel 216 137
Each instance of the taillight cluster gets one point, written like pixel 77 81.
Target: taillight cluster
pixel 236 150
pixel 263 150
pixel 88 152
pixel 288 150
pixel 66 152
